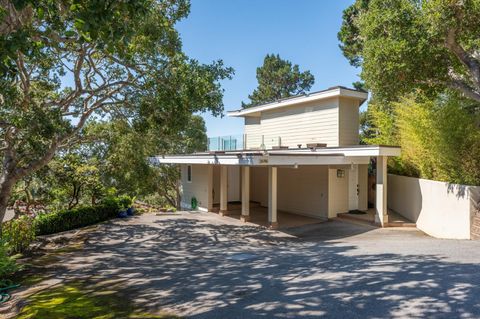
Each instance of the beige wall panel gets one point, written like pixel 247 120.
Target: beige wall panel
pixel 337 193
pixel 304 190
pixel 349 124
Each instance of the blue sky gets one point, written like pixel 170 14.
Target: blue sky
pixel 242 32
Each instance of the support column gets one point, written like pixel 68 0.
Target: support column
pixel 272 197
pixel 381 215
pixel 363 187
pixel 245 194
pixel 223 190
pixel 210 188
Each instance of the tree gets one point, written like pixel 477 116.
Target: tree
pixel 277 79
pixel 122 150
pixel 439 137
pixel 67 62
pixel 403 45
pixel 75 175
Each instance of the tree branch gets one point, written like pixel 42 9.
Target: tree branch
pixel 465 89
pixel 473 65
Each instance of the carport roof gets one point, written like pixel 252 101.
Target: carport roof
pixel 358 154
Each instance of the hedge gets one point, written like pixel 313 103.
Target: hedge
pixel 80 217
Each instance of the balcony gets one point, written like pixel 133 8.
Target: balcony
pixel 243 142
pixel 226 143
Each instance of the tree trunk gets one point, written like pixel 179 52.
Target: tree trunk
pixel 178 195
pixel 6 185
pixel 74 200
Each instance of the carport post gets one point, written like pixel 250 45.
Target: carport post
pixel 245 194
pixel 381 215
pixel 223 190
pixel 210 188
pixel 272 197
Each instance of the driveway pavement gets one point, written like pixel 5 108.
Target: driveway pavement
pixel 200 265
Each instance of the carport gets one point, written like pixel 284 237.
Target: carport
pixel 280 184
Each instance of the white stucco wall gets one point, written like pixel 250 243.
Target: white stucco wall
pixel 440 209
pixel 197 188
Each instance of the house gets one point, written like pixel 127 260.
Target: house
pixel 299 155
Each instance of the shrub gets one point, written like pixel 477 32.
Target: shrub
pixel 440 138
pixel 79 217
pixel 18 234
pixel 124 201
pixel 7 263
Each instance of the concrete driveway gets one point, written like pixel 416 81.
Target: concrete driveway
pixel 200 265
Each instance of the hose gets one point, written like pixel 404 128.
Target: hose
pixel 5 286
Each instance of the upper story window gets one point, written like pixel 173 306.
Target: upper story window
pixel 189 173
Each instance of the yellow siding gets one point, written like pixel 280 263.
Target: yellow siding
pixel 348 122
pixel 314 122
pixel 253 132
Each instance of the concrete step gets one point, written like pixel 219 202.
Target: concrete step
pixel 355 219
pixel 401 224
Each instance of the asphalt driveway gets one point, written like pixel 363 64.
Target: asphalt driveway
pixel 200 265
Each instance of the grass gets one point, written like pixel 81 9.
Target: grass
pixel 75 301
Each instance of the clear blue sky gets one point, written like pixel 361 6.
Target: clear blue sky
pixel 242 32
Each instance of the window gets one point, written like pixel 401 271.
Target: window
pixel 189 173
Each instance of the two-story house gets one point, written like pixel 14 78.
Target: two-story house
pixel 299 155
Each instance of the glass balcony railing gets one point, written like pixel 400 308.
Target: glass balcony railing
pixel 246 142
pixel 226 143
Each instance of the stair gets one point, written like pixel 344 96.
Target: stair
pixel 401 224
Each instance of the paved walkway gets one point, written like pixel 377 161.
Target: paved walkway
pixel 200 265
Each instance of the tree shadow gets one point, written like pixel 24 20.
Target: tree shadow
pixel 200 269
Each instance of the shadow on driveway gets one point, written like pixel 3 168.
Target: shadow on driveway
pixel 193 267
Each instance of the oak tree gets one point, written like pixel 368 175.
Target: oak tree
pixel 65 63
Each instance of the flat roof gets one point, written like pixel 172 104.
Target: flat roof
pixel 343 155
pixel 314 96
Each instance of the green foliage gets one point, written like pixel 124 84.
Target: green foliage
pixel 403 45
pixel 277 79
pixel 73 176
pixel 440 138
pixel 18 234
pixel 66 64
pixel 63 220
pixel 8 266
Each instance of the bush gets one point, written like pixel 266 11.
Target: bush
pixel 79 217
pixel 8 265
pixel 18 234
pixel 440 138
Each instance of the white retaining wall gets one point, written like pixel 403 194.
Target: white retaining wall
pixel 440 209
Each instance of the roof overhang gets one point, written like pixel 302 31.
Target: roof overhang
pixel 323 156
pixel 334 92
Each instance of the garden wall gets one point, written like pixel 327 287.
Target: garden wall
pixel 440 209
